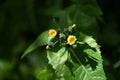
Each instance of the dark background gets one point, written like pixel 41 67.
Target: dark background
pixel 21 21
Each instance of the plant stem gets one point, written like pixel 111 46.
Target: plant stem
pixel 75 55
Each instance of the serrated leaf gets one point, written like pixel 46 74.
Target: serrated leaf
pixel 89 40
pixel 64 72
pixel 92 43
pixel 57 58
pixel 93 54
pixel 86 73
pixel 42 40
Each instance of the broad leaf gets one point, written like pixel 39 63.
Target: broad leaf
pixel 90 71
pixel 89 40
pixel 87 73
pixel 42 40
pixel 92 43
pixel 57 58
pixel 46 74
pixel 93 54
pixel 64 73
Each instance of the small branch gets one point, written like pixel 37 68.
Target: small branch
pixel 75 55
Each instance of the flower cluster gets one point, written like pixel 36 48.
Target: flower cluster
pixel 71 39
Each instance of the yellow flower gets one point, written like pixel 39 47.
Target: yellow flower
pixel 71 39
pixel 52 32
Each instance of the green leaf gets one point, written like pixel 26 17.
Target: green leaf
pixel 64 73
pixel 92 43
pixel 93 54
pixel 57 58
pixel 42 40
pixel 89 40
pixel 93 70
pixel 86 73
pixel 46 74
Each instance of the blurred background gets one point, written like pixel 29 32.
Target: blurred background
pixel 21 22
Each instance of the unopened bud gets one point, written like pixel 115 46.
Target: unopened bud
pixel 47 47
pixel 74 25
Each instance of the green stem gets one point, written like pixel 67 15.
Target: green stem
pixel 75 55
pixel 55 42
pixel 79 62
pixel 80 42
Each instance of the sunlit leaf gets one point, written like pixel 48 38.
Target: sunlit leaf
pixel 86 73
pixel 57 58
pixel 64 72
pixel 93 54
pixel 93 70
pixel 89 40
pixel 42 40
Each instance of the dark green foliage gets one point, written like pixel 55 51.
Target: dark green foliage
pixel 22 21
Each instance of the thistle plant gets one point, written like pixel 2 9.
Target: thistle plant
pixel 71 55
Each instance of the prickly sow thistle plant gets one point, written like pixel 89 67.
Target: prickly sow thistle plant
pixel 66 62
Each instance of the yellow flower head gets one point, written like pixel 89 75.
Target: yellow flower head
pixel 52 32
pixel 71 39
